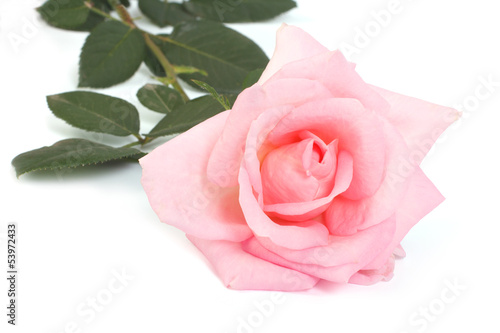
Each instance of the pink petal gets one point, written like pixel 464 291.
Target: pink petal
pixel 369 277
pixel 399 252
pixel 421 198
pixel 297 236
pixel 346 217
pixel 175 181
pixel 284 176
pixel 313 264
pixel 359 132
pixel 340 274
pixel 420 122
pixel 240 270
pixel 292 44
pixel 337 74
pixel 227 154
pixel 306 210
pixel 360 248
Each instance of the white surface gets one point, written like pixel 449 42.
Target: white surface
pixel 76 230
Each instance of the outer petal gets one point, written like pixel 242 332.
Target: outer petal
pixel 340 274
pixel 360 248
pixel 175 181
pixel 313 263
pixel 421 198
pixel 337 74
pixel 346 217
pixel 292 44
pixel 241 270
pixel 368 277
pixel 252 102
pixel 420 122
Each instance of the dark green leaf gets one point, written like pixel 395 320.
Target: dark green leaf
pixel 126 3
pixel 111 54
pixel 106 3
pixel 159 98
pixel 70 153
pixel 219 98
pixel 238 10
pixel 92 21
pixel 69 14
pixel 252 78
pixel 96 112
pixel 163 13
pixel 226 55
pixel 187 116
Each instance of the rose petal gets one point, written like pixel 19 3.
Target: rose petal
pixel 175 181
pixel 312 261
pixel 346 217
pixel 297 236
pixel 292 44
pixel 420 122
pixel 420 199
pixel 340 274
pixel 359 132
pixel 371 276
pixel 359 248
pixel 228 151
pixel 241 270
pixel 338 75
pixel 306 210
pixel 399 252
pixel 284 176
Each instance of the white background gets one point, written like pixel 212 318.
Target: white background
pixel 76 230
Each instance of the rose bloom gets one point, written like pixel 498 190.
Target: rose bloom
pixel 314 174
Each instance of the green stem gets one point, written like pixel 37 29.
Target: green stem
pixel 132 144
pixel 140 141
pixel 122 12
pixel 167 66
pixel 90 6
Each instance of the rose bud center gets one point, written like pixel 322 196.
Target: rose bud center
pixel 300 171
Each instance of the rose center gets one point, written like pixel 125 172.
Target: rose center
pixel 300 171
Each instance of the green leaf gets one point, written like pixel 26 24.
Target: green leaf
pixel 69 14
pixel 226 55
pixel 71 153
pixel 96 112
pixel 252 78
pixel 111 54
pixel 163 13
pixel 219 98
pixel 106 3
pixel 238 10
pixel 187 116
pixel 92 21
pixel 126 3
pixel 159 98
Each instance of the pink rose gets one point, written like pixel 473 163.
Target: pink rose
pixel 313 174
